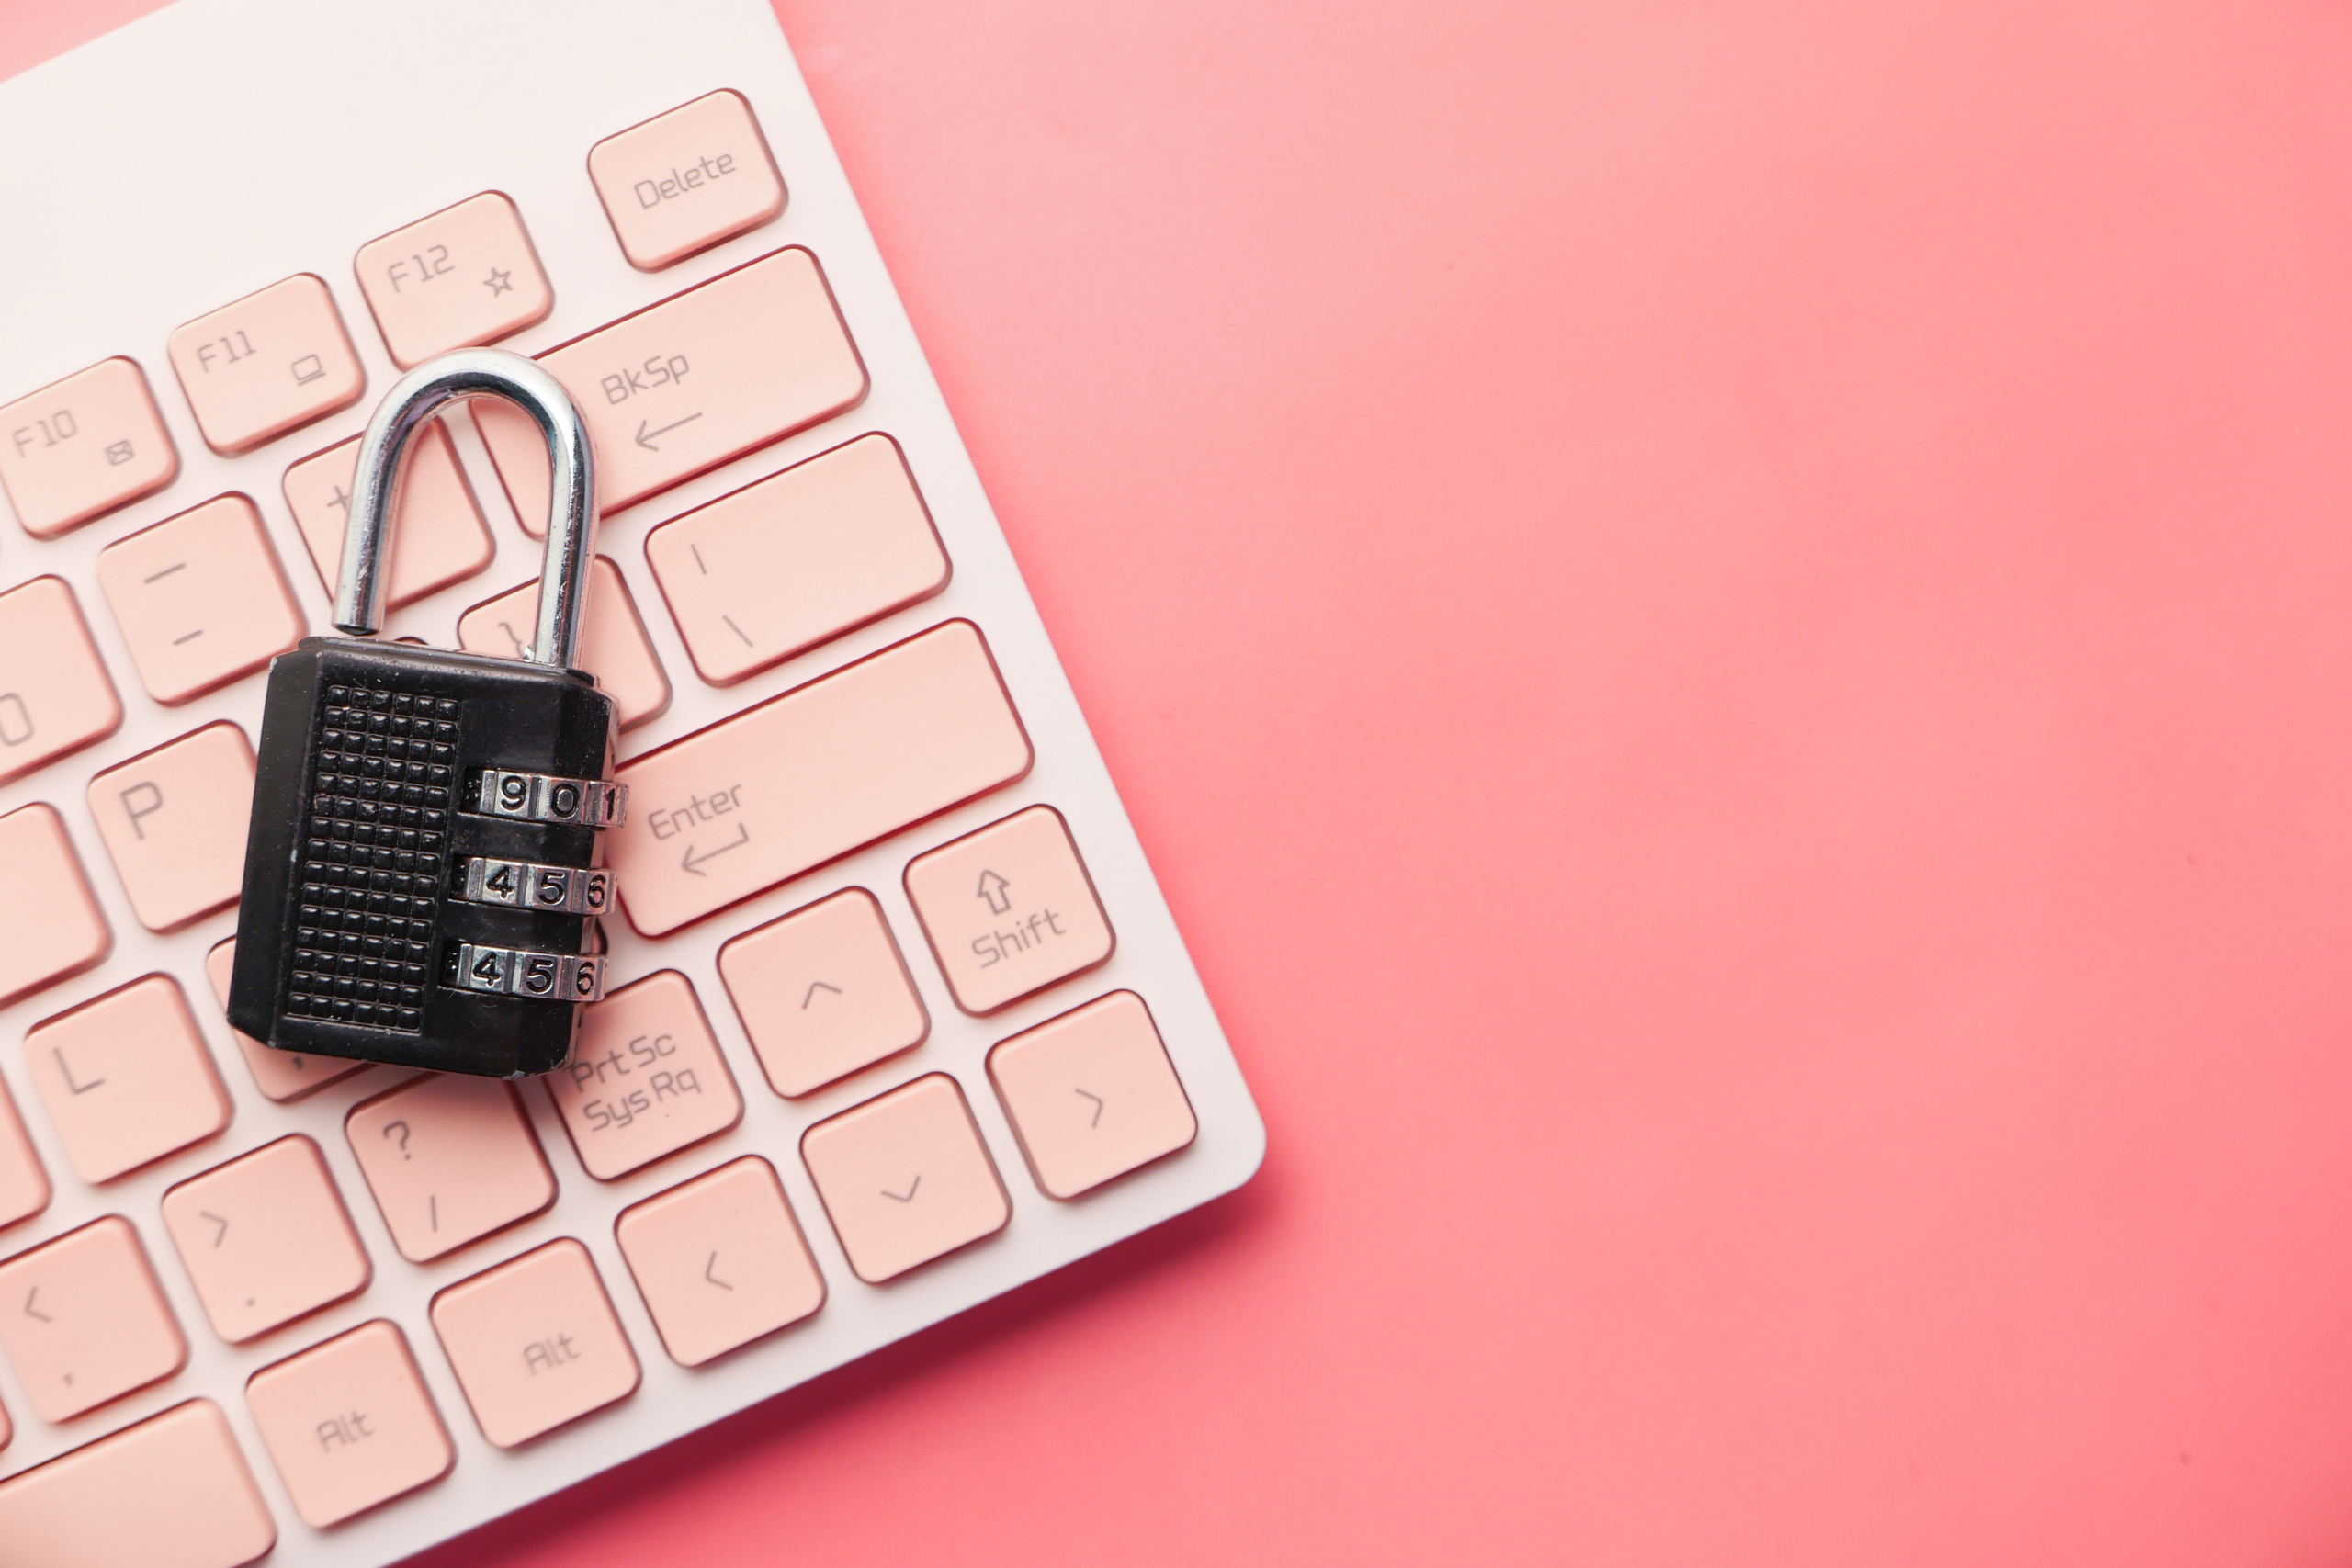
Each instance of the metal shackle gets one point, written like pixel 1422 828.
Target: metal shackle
pixel 571 513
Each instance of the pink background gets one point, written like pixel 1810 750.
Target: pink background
pixel 1731 627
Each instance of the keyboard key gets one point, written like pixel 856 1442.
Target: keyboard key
pixel 645 1078
pixel 349 1424
pixel 49 924
pixel 82 447
pixel 24 1185
pixel 173 822
pixel 438 538
pixel 798 558
pixel 126 1079
pixel 465 275
pixel 905 1178
pixel 172 1491
pixel 1091 1095
pixel 613 644
pixel 199 599
pixel 269 362
pixel 1009 909
pixel 535 1342
pixel 683 181
pixel 54 694
pixel 83 1321
pixel 449 1159
pixel 855 756
pixel 280 1074
pixel 721 1261
pixel 688 384
pixel 823 992
pixel 265 1239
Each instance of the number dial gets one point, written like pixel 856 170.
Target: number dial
pixel 527 884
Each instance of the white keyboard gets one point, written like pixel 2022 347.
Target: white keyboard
pixel 896 1018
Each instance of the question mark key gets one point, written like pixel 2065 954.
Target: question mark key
pixel 449 1159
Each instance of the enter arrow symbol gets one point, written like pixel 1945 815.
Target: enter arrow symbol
pixel 645 437
pixel 31 1311
pixel 217 1220
pixel 1097 1119
pixel 694 863
pixel 909 1196
pixel 992 888
pixel 713 1278
pixel 813 990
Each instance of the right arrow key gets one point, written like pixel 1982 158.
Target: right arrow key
pixel 1091 1095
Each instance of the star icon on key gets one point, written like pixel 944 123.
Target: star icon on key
pixel 496 282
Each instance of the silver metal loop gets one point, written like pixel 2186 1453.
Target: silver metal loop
pixel 571 513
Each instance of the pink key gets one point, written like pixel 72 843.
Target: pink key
pixel 273 360
pixel 1091 1095
pixel 613 644
pixel 535 1342
pixel 449 1159
pixel 126 1078
pixel 199 599
pixel 905 1178
pixel 801 557
pixel 823 992
pixel 54 694
pixel 85 1320
pixel 686 180
pixel 49 924
pixel 280 1074
pixel 761 797
pixel 349 1424
pixel 438 538
pixel 24 1185
pixel 265 1239
pixel 172 1491
pixel 721 1261
pixel 173 823
pixel 465 275
pixel 688 384
pixel 645 1078
pixel 1009 909
pixel 83 446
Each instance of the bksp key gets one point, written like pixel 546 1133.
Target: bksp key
pixel 421 882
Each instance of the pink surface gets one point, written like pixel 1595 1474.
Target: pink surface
pixel 1731 629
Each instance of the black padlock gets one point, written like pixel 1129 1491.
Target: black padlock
pixel 421 877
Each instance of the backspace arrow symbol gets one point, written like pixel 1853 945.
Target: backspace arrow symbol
pixel 645 436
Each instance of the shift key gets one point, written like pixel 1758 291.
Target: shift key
pixel 700 378
pixel 805 777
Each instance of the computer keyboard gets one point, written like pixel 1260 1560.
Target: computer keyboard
pixel 897 1019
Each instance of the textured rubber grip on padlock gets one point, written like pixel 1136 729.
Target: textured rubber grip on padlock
pixel 572 511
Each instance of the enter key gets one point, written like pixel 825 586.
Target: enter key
pixel 805 777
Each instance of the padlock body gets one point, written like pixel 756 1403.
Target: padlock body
pixel 367 812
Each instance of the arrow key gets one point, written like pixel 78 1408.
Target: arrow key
pixel 83 1321
pixel 823 992
pixel 1091 1095
pixel 905 1178
pixel 721 1261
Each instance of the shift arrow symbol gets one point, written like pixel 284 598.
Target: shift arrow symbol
pixel 645 436
pixel 30 1311
pixel 992 888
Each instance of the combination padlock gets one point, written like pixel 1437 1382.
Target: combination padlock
pixel 421 872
